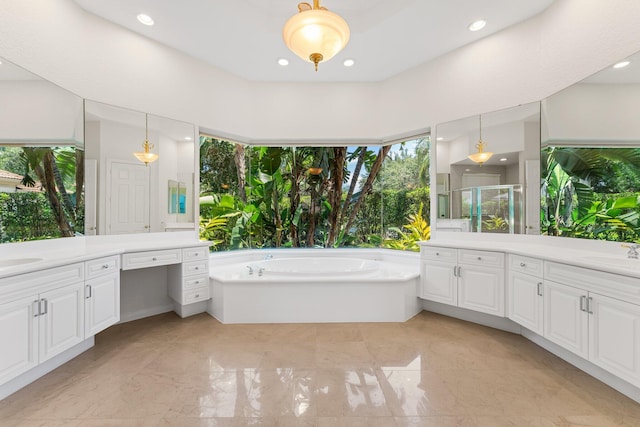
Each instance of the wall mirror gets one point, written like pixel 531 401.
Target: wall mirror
pixel 590 156
pixel 489 196
pixel 41 158
pixel 131 197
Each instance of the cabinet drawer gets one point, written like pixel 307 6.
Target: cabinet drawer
pixel 51 278
pixel 135 260
pixel 192 268
pixel 100 267
pixel 438 253
pixel 612 285
pixel 195 282
pixel 195 254
pixel 195 295
pixel 485 258
pixel 523 264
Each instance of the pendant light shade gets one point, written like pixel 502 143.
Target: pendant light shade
pixel 481 156
pixel 146 156
pixel 315 34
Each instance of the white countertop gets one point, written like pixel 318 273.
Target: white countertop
pixel 57 252
pixel 597 255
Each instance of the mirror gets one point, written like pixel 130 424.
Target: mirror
pixel 177 197
pixel 131 197
pixel 590 156
pixel 41 158
pixel 488 197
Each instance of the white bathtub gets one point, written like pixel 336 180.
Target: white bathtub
pixel 314 285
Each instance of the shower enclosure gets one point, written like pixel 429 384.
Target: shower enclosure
pixel 489 209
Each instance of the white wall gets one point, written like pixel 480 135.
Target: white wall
pixel 38 112
pixel 583 114
pixel 91 57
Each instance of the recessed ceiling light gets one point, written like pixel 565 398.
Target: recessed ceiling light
pixel 284 62
pixel 145 19
pixel 477 25
pixel 187 138
pixel 439 138
pixel 504 159
pixel 349 62
pixel 621 64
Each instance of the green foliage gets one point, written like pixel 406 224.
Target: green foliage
pixel 570 204
pixel 495 223
pixel 416 230
pixel 26 216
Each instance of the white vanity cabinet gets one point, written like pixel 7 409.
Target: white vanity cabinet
pixel 102 294
pixel 189 281
pixel 605 329
pixel 466 278
pixel 43 316
pixel 525 303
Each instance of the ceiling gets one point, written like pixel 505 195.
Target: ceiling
pixel 244 36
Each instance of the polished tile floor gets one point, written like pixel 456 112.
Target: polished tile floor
pixel 429 371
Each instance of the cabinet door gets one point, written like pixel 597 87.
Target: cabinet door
pixel 565 321
pixel 61 322
pixel 481 289
pixel 19 337
pixel 102 303
pixel 614 337
pixel 525 305
pixel 439 282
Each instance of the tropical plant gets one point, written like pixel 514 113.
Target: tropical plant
pixel 495 223
pixel 417 229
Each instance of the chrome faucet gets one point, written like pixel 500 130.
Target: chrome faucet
pixel 250 270
pixel 633 250
pixel 260 271
pixel 268 256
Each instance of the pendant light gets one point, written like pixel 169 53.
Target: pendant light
pixel 481 156
pixel 315 34
pixel 146 156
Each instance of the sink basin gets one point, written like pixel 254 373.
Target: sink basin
pixel 614 262
pixel 17 261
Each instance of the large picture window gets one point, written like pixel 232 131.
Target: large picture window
pixel 272 197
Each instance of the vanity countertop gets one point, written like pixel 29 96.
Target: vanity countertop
pixel 25 257
pixel 597 255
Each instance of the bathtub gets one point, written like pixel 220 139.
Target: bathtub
pixel 314 285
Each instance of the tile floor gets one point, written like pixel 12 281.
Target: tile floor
pixel 429 371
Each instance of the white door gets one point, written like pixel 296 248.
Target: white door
pixel 566 320
pixel 614 337
pixel 128 204
pixel 19 337
pixel 481 289
pixel 61 320
pixel 102 303
pixel 439 282
pixel 525 305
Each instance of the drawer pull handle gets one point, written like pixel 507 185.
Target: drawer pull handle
pixel 583 303
pixel 589 305
pixel 539 288
pixel 36 308
pixel 105 266
pixel 522 264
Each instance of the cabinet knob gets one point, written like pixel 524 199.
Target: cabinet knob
pixel 105 266
pixel 197 268
pixel 197 282
pixel 479 258
pixel 197 295
pixel 437 253
pixel 154 259
pixel 522 264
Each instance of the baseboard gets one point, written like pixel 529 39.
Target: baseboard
pixel 147 312
pixel 190 309
pixel 44 368
pixel 629 390
pixel 489 320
